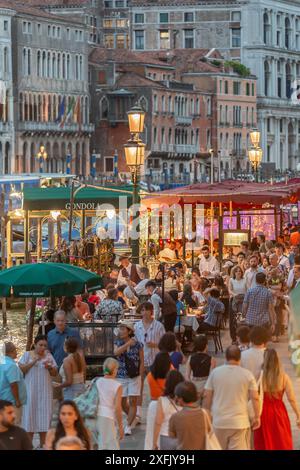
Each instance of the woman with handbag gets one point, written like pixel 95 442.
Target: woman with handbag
pixel 110 407
pixel 130 356
pixel 70 424
pixel 166 407
pixel 275 432
pixel 156 380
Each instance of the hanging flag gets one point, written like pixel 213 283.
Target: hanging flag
pixel 61 111
pixel 70 110
pixel 2 92
pixel 77 113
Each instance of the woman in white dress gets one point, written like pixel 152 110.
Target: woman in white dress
pixel 38 366
pixel 110 407
pixel 166 407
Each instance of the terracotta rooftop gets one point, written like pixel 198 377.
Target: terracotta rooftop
pixel 24 7
pixel 124 56
pixel 58 3
pixel 188 59
pixel 131 79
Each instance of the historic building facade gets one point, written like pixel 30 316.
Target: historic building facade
pixel 263 34
pixel 178 125
pixel 7 133
pixel 45 57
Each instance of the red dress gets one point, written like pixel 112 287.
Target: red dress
pixel 275 431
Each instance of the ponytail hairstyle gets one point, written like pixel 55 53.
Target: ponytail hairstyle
pixel 72 347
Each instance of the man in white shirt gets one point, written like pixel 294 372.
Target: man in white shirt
pixel 282 258
pixel 168 253
pixel 253 358
pixel 208 265
pixel 139 290
pixel 250 274
pixel 128 271
pixel 148 332
pixel 227 392
pixel 155 298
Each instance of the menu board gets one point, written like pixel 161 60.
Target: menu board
pixel 234 238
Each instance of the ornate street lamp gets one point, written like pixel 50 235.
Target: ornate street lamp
pixel 135 157
pixel 136 119
pixel 255 157
pixel 42 156
pixel 255 137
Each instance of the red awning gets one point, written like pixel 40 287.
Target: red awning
pixel 242 194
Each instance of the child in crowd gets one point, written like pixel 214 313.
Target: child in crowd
pixel 243 337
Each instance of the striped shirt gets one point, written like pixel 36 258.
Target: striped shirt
pixel 151 334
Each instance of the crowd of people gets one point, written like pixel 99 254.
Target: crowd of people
pixel 191 398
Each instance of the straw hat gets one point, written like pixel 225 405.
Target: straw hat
pixel 127 324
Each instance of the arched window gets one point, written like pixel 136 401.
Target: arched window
pixel 80 68
pixel 38 64
pixel 49 64
pixel 170 104
pixel 58 65
pixel 53 65
pixel 267 79
pixel 63 66
pixel 24 63
pixel 143 102
pixel 68 66
pixel 44 64
pixel 29 62
pixel 163 103
pixel 5 58
pixel 21 116
pixel 76 68
pixel 287 32
pixel 103 108
pixel 288 80
pixel 267 29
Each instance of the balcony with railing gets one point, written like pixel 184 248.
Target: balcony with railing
pixel 183 120
pixel 5 126
pixel 175 148
pixel 54 126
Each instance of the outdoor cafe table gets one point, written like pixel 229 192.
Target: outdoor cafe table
pixel 191 320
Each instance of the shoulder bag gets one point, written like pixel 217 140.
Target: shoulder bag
pixel 211 440
pixel 88 401
pixel 167 442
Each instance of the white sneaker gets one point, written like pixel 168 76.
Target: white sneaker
pixel 137 420
pixel 127 430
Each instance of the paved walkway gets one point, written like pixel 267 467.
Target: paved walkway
pixel 136 440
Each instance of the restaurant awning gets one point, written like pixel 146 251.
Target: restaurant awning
pixel 240 193
pixel 88 198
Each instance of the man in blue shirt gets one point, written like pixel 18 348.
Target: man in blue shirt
pixel 12 384
pixel 213 311
pixel 258 306
pixel 57 337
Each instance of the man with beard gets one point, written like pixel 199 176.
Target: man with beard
pixel 11 437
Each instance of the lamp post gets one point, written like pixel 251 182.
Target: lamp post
pixel 255 153
pixel 255 157
pixel 211 166
pixel 135 157
pixel 42 156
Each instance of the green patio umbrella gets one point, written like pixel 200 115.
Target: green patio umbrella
pixel 46 280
